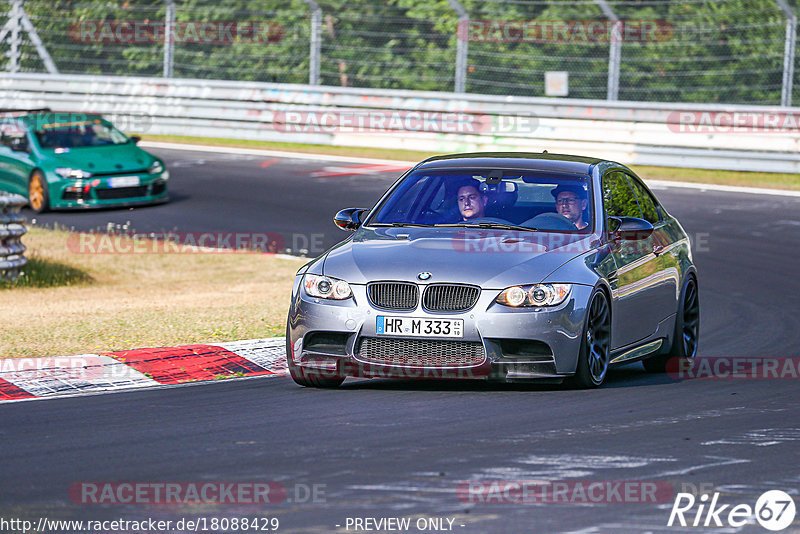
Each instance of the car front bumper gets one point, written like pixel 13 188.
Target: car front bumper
pixel 335 338
pixel 99 192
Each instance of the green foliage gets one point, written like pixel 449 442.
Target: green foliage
pixel 709 51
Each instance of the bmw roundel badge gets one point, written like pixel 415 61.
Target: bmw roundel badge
pixel 424 275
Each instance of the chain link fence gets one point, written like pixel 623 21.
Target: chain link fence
pixel 720 51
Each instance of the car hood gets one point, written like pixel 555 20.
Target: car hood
pixel 489 258
pixel 103 159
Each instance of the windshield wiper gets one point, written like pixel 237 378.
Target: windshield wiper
pixel 400 224
pixel 490 226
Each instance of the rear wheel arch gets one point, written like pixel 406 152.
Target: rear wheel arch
pixel 676 350
pixel 690 273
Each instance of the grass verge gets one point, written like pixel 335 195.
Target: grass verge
pixel 70 303
pixel 740 178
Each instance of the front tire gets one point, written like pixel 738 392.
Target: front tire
pixel 686 336
pixel 38 196
pixel 595 343
pixel 302 377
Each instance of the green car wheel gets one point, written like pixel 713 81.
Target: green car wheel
pixel 37 193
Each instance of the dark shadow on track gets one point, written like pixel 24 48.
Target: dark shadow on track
pixel 629 376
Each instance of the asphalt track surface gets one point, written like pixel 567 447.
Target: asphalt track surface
pixel 400 448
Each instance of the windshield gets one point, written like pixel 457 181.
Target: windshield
pixel 533 200
pixel 79 134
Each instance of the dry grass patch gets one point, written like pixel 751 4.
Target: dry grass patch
pixel 70 303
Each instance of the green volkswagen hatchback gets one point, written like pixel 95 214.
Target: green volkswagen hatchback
pixel 65 160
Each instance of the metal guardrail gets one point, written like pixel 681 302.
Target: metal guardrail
pixel 635 133
pixel 12 228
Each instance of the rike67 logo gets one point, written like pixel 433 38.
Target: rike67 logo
pixel 774 510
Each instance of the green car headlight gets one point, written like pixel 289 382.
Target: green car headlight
pixel 156 168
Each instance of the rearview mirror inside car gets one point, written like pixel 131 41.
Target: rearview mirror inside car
pixel 19 144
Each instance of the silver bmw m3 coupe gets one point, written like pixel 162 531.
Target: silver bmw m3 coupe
pixel 502 266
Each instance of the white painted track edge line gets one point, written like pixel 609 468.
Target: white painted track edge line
pixel 355 159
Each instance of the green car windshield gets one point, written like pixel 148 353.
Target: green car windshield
pixel 90 133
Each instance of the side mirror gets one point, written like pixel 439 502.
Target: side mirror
pixel 135 139
pixel 629 228
pixel 19 144
pixel 349 219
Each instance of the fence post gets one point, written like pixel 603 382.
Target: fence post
pixel 17 21
pixel 14 51
pixel 315 44
pixel 462 46
pixel 614 49
pixel 788 53
pixel 169 42
pixel 37 42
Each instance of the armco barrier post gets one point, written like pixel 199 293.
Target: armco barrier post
pixel 614 50
pixel 12 228
pixel 169 40
pixel 788 52
pixel 315 47
pixel 462 50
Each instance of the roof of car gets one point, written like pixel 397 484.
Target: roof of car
pixel 514 160
pixel 64 114
pixel 50 115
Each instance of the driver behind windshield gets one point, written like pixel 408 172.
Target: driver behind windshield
pixel 471 200
pixel 571 202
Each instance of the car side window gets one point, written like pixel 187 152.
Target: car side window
pixel 647 203
pixel 618 197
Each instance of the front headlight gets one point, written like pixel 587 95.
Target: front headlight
pixel 69 172
pixel 534 295
pixel 155 168
pixel 325 287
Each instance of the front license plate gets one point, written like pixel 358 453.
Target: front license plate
pixel 123 181
pixel 419 326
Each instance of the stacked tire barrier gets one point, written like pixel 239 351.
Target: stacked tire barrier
pixel 12 228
